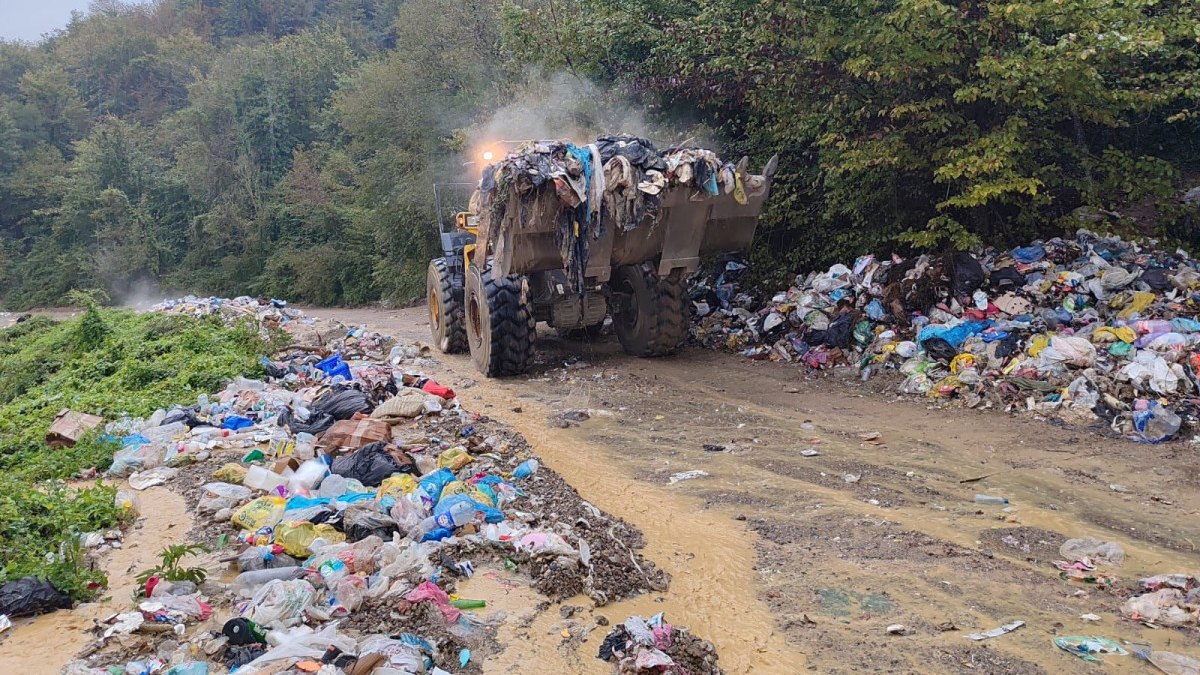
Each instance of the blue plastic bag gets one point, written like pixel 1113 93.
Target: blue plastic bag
pixel 236 422
pixel 1029 254
pixel 490 515
pixel 954 335
pixel 432 485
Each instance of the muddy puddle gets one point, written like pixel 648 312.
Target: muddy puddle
pixel 46 643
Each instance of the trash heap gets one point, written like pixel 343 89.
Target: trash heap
pixel 351 497
pixel 618 181
pixel 654 646
pixel 267 315
pixel 1090 328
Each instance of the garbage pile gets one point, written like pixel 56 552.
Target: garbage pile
pixel 618 181
pixel 267 315
pixel 645 646
pixel 346 489
pixel 1092 327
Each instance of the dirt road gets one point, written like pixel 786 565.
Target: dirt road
pixel 791 562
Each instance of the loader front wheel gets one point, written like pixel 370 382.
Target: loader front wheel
pixel 446 321
pixel 652 319
pixel 500 323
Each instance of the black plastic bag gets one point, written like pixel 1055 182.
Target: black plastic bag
pixel 967 276
pixel 371 464
pixel 616 641
pixel 839 333
pixel 185 415
pixel 315 424
pixel 1007 278
pixel 363 519
pixel 29 596
pixel 342 405
pixel 1156 278
pixel 940 350
pixel 1008 346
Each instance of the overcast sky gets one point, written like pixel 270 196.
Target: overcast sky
pixel 30 19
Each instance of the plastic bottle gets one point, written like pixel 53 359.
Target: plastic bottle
pixel 261 478
pixel 250 580
pixel 991 499
pixel 305 446
pixel 308 475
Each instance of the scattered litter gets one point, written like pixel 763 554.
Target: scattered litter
pixel 1094 550
pixel 997 632
pixel 811 452
pixel 686 475
pixel 1087 648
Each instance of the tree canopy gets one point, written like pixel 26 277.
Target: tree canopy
pixel 289 147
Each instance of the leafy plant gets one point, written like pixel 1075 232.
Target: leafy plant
pixel 169 568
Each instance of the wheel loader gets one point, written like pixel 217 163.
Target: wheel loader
pixel 567 235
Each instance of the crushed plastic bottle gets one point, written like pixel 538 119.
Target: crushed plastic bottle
pixel 991 499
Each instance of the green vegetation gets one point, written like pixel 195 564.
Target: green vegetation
pixel 917 122
pixel 106 362
pixel 289 148
pixel 169 568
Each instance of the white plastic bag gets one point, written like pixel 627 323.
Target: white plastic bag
pixel 280 604
pixel 217 496
pixel 301 643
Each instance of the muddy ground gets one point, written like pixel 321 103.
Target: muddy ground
pixel 789 562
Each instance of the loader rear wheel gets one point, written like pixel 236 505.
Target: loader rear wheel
pixel 653 318
pixel 446 321
pixel 500 323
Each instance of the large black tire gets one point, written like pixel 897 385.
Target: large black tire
pixel 653 320
pixel 500 324
pixel 446 321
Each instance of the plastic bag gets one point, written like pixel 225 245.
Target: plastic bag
pixel 137 458
pixel 231 473
pixel 1174 664
pixel 260 513
pixel 127 503
pixel 348 594
pixel 217 496
pixel 1106 552
pixel 1165 606
pixel 280 604
pixel 431 486
pixel 302 643
pixel 296 537
pixel 454 459
pixel 1154 424
pixel 372 464
pixel 397 486
pixel 341 405
pixel 364 519
pixel 29 596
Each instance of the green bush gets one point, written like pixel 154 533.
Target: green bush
pixel 106 362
